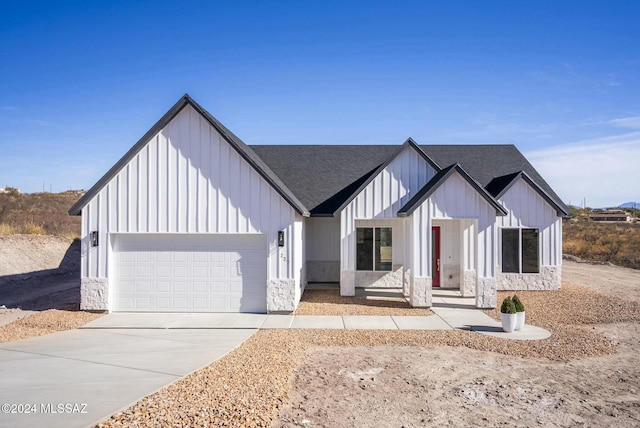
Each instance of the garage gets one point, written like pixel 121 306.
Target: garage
pixel 189 272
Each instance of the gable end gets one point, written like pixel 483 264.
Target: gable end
pixel 245 152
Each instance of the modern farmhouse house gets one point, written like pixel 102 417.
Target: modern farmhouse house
pixel 192 219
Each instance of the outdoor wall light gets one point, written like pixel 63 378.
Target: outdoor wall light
pixel 93 238
pixel 281 238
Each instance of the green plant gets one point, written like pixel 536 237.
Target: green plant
pixel 517 303
pixel 507 306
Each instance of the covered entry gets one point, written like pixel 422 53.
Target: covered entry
pixel 453 244
pixel 189 272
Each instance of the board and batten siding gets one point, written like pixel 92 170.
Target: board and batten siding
pixel 381 199
pixel 454 199
pixel 188 179
pixel 527 209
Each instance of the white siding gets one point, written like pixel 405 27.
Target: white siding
pixel 527 209
pixel 323 239
pixel 383 197
pixel 188 179
pixel 457 199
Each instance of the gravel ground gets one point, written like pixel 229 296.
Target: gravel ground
pixel 251 385
pixel 46 322
pixel 329 302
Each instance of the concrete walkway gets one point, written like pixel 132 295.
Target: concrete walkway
pixel 450 313
pixel 79 377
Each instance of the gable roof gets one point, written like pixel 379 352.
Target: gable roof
pixel 320 180
pixel 487 162
pixel 437 180
pixel 245 152
pixel 326 178
pixel 499 186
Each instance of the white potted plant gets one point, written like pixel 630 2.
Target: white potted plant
pixel 520 314
pixel 508 315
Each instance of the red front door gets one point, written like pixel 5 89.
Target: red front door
pixel 435 255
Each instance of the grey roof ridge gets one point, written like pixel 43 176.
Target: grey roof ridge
pixel 408 143
pixel 245 152
pixel 440 178
pixel 559 208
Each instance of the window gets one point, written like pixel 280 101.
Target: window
pixel 373 248
pixel 520 251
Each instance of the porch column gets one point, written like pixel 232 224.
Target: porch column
pixel 347 283
pixel 420 295
pixel 486 293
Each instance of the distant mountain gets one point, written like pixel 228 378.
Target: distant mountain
pixel 630 205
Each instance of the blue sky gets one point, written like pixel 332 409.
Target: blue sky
pixel 82 81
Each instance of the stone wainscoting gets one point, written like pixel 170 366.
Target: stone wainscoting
pixel 549 278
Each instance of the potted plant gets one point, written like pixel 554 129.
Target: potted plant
pixel 508 315
pixel 519 312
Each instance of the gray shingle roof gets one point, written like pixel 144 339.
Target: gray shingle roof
pixel 320 179
pixel 324 177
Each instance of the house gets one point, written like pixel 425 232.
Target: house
pixel 192 219
pixel 611 215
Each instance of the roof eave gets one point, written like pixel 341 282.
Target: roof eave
pixel 76 209
pixel 522 174
pixel 239 146
pixel 243 149
pixel 419 199
pixel 408 143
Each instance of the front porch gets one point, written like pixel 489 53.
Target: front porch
pixel 325 298
pixel 322 307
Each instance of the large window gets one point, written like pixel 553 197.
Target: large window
pixel 373 248
pixel 520 251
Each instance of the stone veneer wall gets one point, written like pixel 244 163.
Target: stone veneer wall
pixel 323 271
pixel 421 293
pixel 406 282
pixel 281 295
pixel 549 278
pixel 347 283
pixel 468 283
pixel 376 279
pixel 487 296
pixel 94 294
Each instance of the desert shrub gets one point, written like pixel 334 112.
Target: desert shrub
pixel 38 213
pixel 618 243
pixel 7 229
pixel 32 229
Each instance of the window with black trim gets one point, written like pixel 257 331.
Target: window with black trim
pixel 520 251
pixel 374 248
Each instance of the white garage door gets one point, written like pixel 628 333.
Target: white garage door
pixel 189 273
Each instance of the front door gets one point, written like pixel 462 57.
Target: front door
pixel 435 256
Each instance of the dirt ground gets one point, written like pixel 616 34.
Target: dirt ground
pixel 399 386
pixel 604 278
pixel 38 272
pixel 403 386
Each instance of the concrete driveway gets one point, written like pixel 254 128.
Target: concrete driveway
pixel 80 377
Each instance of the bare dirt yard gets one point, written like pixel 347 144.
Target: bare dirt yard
pixel 416 386
pixel 586 374
pixel 39 286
